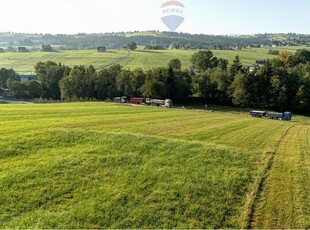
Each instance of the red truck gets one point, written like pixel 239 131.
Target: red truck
pixel 137 101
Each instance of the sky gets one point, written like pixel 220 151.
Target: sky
pixel 221 17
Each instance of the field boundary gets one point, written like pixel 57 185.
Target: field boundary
pixel 258 185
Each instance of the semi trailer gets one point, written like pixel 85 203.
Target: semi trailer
pixel 138 101
pixel 157 102
pixel 256 113
pixel 148 101
pixel 287 116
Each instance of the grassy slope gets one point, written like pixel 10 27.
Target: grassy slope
pixel 285 201
pixel 24 62
pixel 90 165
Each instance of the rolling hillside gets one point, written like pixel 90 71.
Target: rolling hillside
pixel 25 62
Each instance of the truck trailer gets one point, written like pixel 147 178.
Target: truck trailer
pixel 158 102
pixel 287 116
pixel 256 113
pixel 138 101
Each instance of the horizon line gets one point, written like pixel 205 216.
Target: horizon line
pixel 148 31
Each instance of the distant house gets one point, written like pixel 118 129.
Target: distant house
pixel 22 49
pixel 238 48
pixel 101 48
pixel 171 47
pixel 254 68
pixel 26 77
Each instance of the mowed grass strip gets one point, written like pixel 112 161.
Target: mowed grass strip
pixel 285 199
pixel 239 131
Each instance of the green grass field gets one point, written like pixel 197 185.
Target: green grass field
pixel 25 62
pixel 285 200
pixel 99 165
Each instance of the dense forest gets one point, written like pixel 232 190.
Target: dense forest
pixel 283 83
pixel 151 38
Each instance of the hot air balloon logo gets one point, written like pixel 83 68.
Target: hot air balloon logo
pixel 172 14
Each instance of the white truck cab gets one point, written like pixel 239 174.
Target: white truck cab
pixel 168 103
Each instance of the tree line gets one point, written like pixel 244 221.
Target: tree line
pixel 282 83
pixel 151 38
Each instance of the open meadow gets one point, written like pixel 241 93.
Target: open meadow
pixel 103 165
pixel 145 59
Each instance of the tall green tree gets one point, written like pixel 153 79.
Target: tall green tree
pixel 302 56
pixel 278 93
pixel 105 82
pixel 182 86
pixel 132 45
pixel 241 94
pixel 155 84
pixel 115 70
pixel 304 88
pixel 203 86
pixel 236 67
pixel 25 90
pixel 49 74
pixel 175 64
pixel 105 85
pixel 292 83
pixel 304 92
pixel 223 63
pixel 124 83
pixel 223 81
pixel 203 60
pixel 7 75
pixel 137 82
pixel 79 84
pixel 47 48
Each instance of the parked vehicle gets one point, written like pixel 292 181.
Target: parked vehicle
pixel 287 116
pixel 168 103
pixel 279 116
pixel 255 113
pixel 120 99
pixel 157 102
pixel 148 101
pixel 138 101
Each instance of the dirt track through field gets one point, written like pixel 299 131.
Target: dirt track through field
pixel 283 200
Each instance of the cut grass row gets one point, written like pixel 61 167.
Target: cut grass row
pixel 240 131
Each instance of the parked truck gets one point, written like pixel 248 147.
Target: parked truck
pixel 287 116
pixel 120 99
pixel 138 101
pixel 256 113
pixel 157 102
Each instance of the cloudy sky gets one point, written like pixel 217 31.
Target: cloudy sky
pixel 201 16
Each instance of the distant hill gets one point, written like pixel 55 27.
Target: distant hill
pixel 153 39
